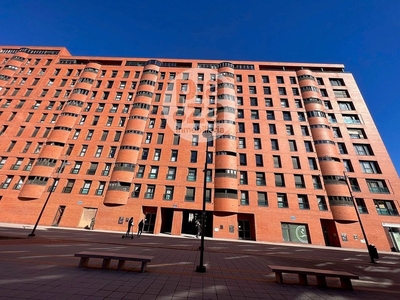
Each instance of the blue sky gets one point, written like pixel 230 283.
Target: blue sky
pixel 362 34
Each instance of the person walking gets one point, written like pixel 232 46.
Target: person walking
pixel 198 225
pixel 92 223
pixel 130 225
pixel 140 228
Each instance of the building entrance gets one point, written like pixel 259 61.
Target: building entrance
pixel 87 215
pixel 167 215
pixel 58 216
pixel 393 233
pixel 149 222
pixel 189 222
pixel 330 233
pixel 244 229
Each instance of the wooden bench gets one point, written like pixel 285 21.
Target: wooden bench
pixel 107 257
pixel 345 277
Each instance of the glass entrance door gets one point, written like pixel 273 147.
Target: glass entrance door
pixel 244 229
pixel 149 222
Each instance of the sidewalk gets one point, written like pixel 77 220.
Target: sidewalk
pixel 43 267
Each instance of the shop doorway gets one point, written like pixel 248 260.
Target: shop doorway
pixel 58 216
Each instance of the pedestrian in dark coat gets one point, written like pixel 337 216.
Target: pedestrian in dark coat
pixel 140 228
pixel 130 224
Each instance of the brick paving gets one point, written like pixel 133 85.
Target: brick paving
pixel 43 267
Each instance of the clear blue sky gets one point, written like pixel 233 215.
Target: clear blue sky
pixel 362 34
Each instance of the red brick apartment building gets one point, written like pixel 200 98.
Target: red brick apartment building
pixel 293 152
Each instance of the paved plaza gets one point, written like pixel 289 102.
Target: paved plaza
pixel 44 267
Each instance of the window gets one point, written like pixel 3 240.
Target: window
pixel 272 128
pixel 316 182
pixel 239 101
pixel 254 115
pixel 377 186
pixel 297 233
pixel 362 209
pixel 304 130
pixel 244 198
pixel 347 165
pixel 153 172
pixel 324 93
pixel 282 90
pixel 160 138
pixel 277 161
pixel 176 139
pixel 356 133
pixel 242 143
pixel 346 105
pixel 92 169
pixel 299 181
pixel 308 146
pixel 148 138
pixel 279 79
pixel 174 155
pixel 303 202
pixel 342 148
pixel 252 90
pixel 253 101
pixel 336 132
pixel 268 102
pixel 104 135
pixel 243 177
pixel 256 128
pixel 169 193
pixel 190 194
pixel 171 173
pixel 140 171
pixel 76 168
pixel 332 118
pixel 193 156
pixel 113 150
pixel 145 153
pixel 287 116
pixel 274 144
pixel 192 174
pixel 296 162
pixel 279 180
pixel 242 159
pixel 257 143
pixel 83 150
pixel 241 127
pixel 260 179
pixel 293 80
pixel 149 194
pixel 322 203
pixel 136 190
pixel 289 130
pixel 282 201
pixel 297 103
pixel 157 154
pixel 259 160
pixel 355 187
pixel 292 145
pixel 270 115
pixel 363 149
pixel 284 103
pixel 240 113
pixel 370 167
pixel 6 183
pixel 86 187
pixel 312 162
pixel 385 207
pixel 68 188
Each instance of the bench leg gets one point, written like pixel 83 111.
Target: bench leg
pixel 83 262
pixel 106 263
pixel 346 283
pixel 121 264
pixel 321 281
pixel 303 279
pixel 144 267
pixel 278 277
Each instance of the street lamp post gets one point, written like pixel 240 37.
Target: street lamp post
pixel 53 186
pixel 201 268
pixel 359 219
